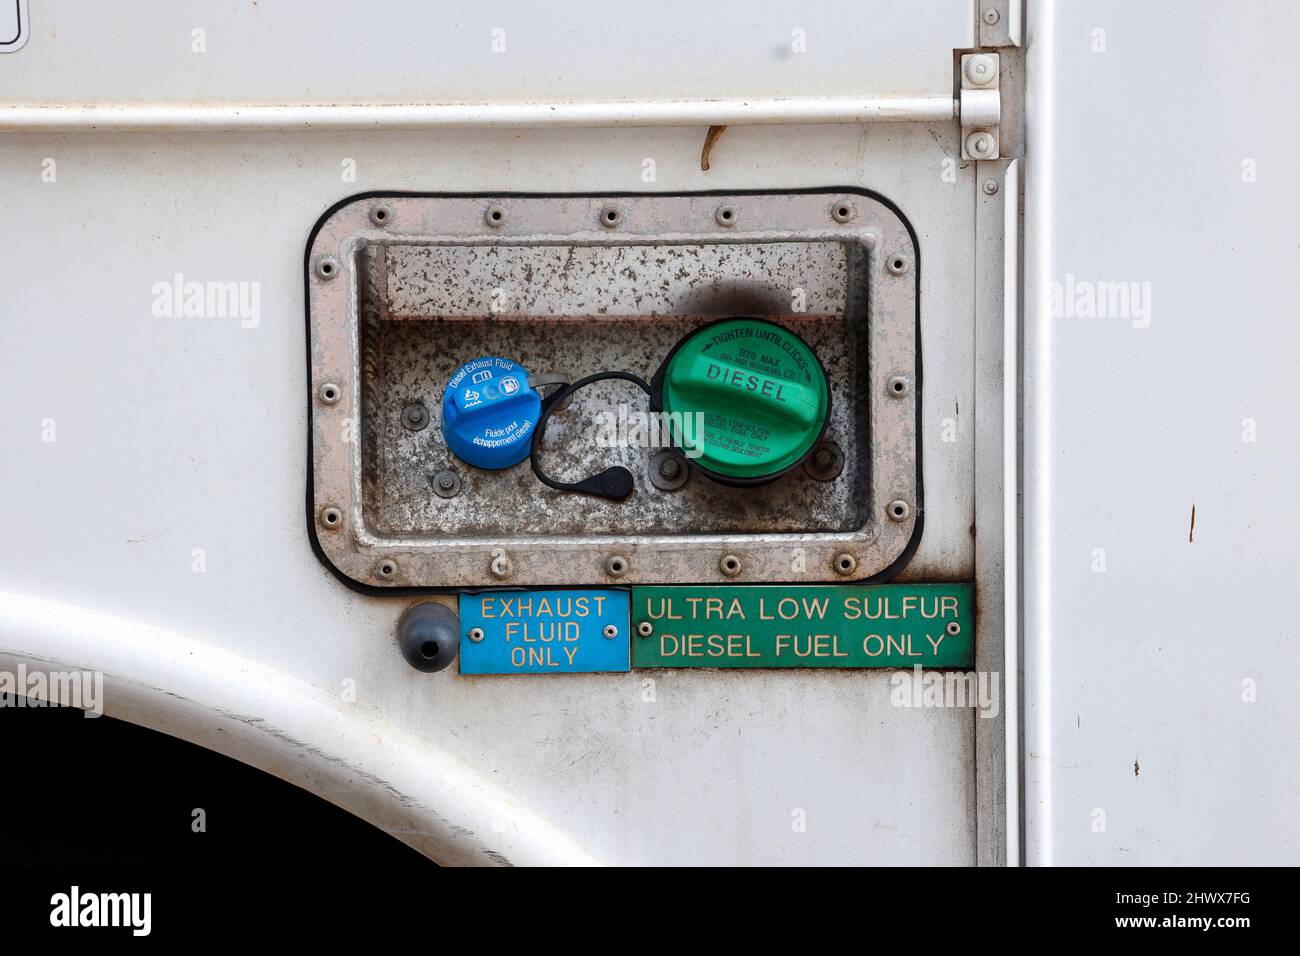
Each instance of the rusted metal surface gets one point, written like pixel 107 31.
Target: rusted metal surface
pixel 639 281
pixel 552 287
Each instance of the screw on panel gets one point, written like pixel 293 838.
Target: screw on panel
pixel 981 69
pixel 415 417
pixel 500 566
pixel 387 568
pixel 842 211
pixel 446 484
pixel 475 634
pixel 330 393
pixel 980 144
pixel 645 629
pixel 953 628
pixel 610 217
pixel 897 265
pixel 616 566
pixel 381 215
pixel 990 187
pixel 825 463
pixel 495 216
pixel 729 565
pixel 611 631
pixel 898 510
pixel 897 387
pixel 668 470
pixel 845 563
pixel 726 215
pixel 331 517
pixel 991 16
pixel 327 267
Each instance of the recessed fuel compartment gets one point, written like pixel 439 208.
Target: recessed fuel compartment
pixel 402 290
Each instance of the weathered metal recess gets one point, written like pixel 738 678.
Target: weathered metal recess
pixel 402 290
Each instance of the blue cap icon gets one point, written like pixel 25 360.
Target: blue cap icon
pixel 489 412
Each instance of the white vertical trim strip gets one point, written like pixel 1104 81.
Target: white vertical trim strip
pixel 1011 502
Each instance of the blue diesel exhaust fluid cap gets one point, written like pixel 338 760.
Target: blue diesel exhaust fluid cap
pixel 489 412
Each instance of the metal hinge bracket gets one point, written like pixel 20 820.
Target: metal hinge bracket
pixel 980 106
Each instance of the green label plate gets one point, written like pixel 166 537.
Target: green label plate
pixel 831 625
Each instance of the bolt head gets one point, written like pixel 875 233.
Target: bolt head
pixel 990 187
pixel 980 69
pixel 415 417
pixel 980 145
pixel 991 16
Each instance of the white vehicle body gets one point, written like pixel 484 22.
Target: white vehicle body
pixel 155 460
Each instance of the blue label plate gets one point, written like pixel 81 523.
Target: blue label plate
pixel 544 632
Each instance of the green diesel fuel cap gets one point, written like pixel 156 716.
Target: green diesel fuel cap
pixel 745 399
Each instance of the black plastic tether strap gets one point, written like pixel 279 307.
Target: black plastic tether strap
pixel 615 482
